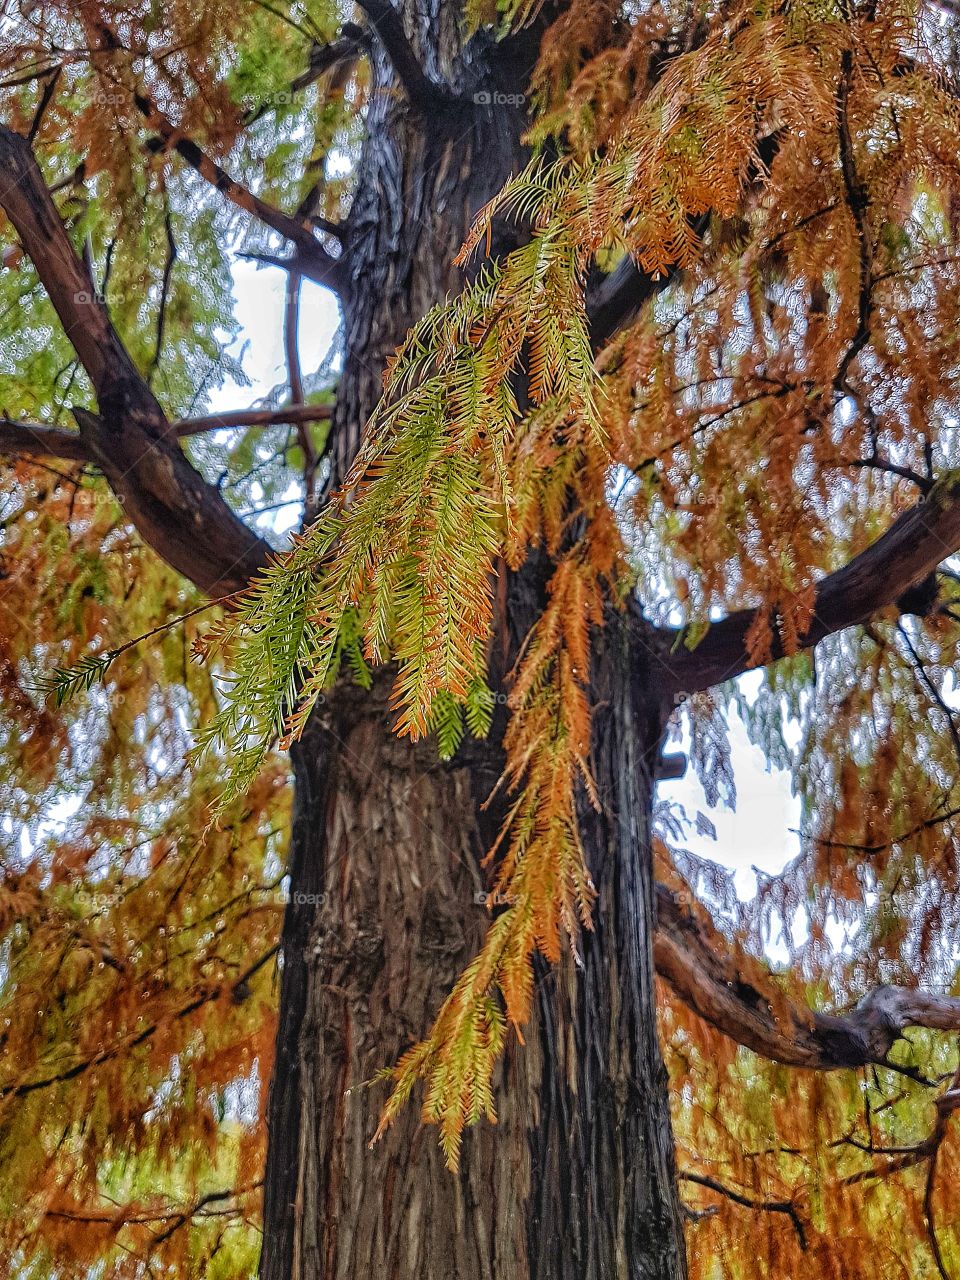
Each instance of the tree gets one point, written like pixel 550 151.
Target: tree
pixel 649 377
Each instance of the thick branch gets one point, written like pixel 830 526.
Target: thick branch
pixel 385 20
pixel 913 547
pixel 34 440
pixel 184 519
pixel 703 970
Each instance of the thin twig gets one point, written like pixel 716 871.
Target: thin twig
pixel 767 1206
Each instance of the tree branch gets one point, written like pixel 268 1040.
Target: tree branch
pixel 325 269
pixel 34 440
pixel 180 1216
pixel 296 264
pixel 323 58
pixel 237 990
pixel 386 22
pixel 910 550
pixel 291 413
pixel 311 254
pixel 40 440
pixel 766 1206
pixel 614 300
pixel 183 518
pixel 858 201
pixel 703 970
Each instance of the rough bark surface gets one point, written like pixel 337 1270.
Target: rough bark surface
pixel 604 1182
pixel 397 917
pixel 576 1180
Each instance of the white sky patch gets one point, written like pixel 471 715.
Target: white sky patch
pixel 760 832
pixel 260 294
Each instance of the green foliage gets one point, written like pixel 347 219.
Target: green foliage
pixel 65 682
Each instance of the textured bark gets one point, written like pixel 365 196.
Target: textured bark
pixel 423 174
pixel 576 1180
pixel 604 1184
pixel 381 935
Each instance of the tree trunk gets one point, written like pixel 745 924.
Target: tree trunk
pixel 576 1181
pixel 605 1202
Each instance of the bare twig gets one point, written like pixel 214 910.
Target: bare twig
pixel 747 1202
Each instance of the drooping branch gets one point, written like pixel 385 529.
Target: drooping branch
pixel 236 990
pixel 705 973
pixel 894 1160
pixel 910 550
pixel 613 301
pixel 183 518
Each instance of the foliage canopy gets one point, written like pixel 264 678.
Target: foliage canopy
pixel 787 179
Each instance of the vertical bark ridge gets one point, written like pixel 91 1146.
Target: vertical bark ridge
pixel 605 1205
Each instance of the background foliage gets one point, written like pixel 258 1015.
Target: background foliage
pixel 786 395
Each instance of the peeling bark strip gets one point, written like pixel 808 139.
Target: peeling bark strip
pixel 173 508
